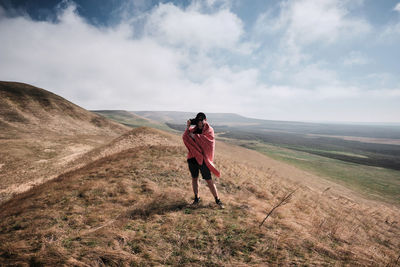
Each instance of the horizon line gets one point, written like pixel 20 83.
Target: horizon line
pixel 387 123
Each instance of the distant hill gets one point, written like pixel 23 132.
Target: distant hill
pixel 178 117
pixel 131 119
pixel 230 121
pixel 41 133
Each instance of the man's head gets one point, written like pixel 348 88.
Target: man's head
pixel 200 118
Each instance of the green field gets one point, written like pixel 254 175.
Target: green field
pixel 373 182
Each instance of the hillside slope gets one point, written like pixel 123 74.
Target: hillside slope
pixel 128 206
pixel 41 132
pixel 131 119
pixel 32 110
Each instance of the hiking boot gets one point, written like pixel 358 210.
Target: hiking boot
pixel 196 201
pixel 219 203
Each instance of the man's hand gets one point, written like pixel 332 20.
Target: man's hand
pixel 188 123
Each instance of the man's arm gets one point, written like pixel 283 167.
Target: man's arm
pixel 187 131
pixel 207 136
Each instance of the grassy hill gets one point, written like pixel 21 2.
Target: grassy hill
pixel 132 120
pixel 129 207
pixel 41 133
pixel 373 182
pixel 25 109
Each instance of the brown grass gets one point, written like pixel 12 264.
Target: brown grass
pixel 27 111
pixel 41 133
pixel 130 208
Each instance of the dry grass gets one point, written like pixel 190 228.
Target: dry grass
pixel 130 208
pixel 41 133
pixel 27 111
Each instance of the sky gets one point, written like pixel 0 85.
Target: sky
pixel 299 60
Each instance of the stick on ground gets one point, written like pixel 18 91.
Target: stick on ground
pixel 284 201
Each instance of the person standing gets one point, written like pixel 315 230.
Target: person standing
pixel 200 142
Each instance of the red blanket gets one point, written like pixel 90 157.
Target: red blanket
pixel 202 147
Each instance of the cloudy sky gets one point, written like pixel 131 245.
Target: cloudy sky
pixel 307 60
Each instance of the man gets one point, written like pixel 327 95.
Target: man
pixel 200 142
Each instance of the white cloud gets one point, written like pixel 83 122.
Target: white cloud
pixel 105 68
pixel 310 21
pixel 225 4
pixel 193 29
pixel 307 22
pixel 314 75
pixel 73 57
pixel 397 7
pixel 391 31
pixel 355 58
pixel 390 34
pixel 182 61
pixel 353 3
pixel 381 80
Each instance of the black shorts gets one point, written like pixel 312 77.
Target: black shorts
pixel 194 168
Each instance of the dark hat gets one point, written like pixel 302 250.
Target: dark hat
pixel 201 116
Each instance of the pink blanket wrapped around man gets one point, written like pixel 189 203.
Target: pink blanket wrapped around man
pixel 202 147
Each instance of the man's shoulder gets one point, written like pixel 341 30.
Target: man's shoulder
pixel 208 129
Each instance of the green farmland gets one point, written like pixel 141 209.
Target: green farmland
pixel 373 182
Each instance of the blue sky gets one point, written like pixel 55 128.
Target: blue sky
pixel 305 60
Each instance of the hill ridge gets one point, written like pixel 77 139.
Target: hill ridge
pixel 32 110
pixel 141 136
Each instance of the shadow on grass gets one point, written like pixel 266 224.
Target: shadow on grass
pixel 160 204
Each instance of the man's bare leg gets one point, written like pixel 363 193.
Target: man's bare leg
pixel 195 186
pixel 213 188
pixel 214 191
